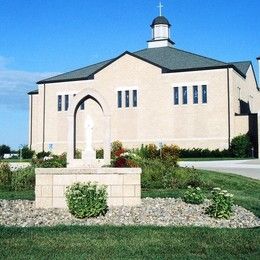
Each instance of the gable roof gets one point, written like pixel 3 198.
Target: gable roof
pixel 169 59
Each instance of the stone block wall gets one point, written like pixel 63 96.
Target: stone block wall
pixel 123 185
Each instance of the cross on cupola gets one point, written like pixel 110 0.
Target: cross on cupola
pixel 160 31
pixel 160 6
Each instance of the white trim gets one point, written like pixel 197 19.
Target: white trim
pixel 67 93
pixel 127 88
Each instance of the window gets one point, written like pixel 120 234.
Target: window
pixel 195 95
pixel 59 102
pixel 119 98
pixel 184 95
pixel 134 98
pixel 204 94
pixel 66 102
pixel 176 95
pixel 127 98
pixel 82 106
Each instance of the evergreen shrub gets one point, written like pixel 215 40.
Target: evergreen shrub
pixel 241 146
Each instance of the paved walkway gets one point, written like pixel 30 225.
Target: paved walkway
pixel 248 168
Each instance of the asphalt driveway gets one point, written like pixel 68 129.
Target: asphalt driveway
pixel 248 168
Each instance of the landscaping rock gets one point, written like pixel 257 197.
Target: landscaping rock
pixel 157 212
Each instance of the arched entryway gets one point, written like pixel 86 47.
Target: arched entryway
pixel 81 97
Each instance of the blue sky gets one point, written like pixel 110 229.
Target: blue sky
pixel 40 38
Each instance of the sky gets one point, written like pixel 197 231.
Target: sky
pixel 42 38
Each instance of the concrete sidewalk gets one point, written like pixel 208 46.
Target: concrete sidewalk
pixel 248 168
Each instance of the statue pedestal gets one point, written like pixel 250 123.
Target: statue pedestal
pixel 89 157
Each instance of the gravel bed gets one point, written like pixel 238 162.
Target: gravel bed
pixel 158 212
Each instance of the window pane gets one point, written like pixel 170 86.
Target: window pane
pixel 204 94
pixel 134 98
pixel 59 102
pixel 127 98
pixel 176 96
pixel 119 98
pixel 66 102
pixel 184 95
pixel 82 106
pixel 195 95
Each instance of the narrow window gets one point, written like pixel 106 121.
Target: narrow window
pixel 119 98
pixel 59 102
pixel 134 98
pixel 127 98
pixel 184 95
pixel 204 94
pixel 176 95
pixel 82 106
pixel 66 102
pixel 195 95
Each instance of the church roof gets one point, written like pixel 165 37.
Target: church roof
pixel 160 20
pixel 167 58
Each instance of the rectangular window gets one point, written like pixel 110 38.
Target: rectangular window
pixel 176 96
pixel 184 95
pixel 119 98
pixel 66 102
pixel 204 94
pixel 82 106
pixel 59 102
pixel 127 98
pixel 195 95
pixel 134 98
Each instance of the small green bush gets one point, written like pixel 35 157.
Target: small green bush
pixel 57 161
pixel 5 176
pixel 204 153
pixel 27 153
pixel 222 203
pixel 194 195
pixel 100 153
pixel 23 179
pixel 43 154
pixel 87 200
pixel 240 146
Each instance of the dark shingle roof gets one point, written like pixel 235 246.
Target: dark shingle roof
pixel 160 20
pixel 34 92
pixel 258 58
pixel 243 66
pixel 168 58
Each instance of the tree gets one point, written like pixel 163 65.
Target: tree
pixel 4 149
pixel 27 153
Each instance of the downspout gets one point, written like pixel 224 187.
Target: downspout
pixel 31 116
pixel 43 120
pixel 228 92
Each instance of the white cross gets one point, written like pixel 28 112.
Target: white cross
pixel 160 6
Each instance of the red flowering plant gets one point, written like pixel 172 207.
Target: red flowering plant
pixel 124 159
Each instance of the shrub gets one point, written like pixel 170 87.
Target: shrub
pixel 171 153
pixel 203 153
pixel 240 146
pixel 100 153
pixel 5 176
pixel 23 179
pixel 78 154
pixel 27 153
pixel 193 195
pixel 43 154
pixel 87 199
pixel 124 159
pixel 57 161
pixel 222 203
pixel 116 145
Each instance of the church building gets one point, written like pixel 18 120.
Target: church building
pixel 159 95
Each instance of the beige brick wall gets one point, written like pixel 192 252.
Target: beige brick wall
pixel 123 185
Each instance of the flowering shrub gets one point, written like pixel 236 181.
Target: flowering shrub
pixel 124 159
pixel 171 153
pixel 116 145
pixel 193 195
pixel 87 199
pixel 222 203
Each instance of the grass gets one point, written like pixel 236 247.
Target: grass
pixel 246 190
pixel 107 242
pixel 14 195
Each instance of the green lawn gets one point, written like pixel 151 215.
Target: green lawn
pixel 108 242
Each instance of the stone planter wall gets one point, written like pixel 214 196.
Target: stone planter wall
pixel 123 185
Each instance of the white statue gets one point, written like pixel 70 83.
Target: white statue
pixel 88 134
